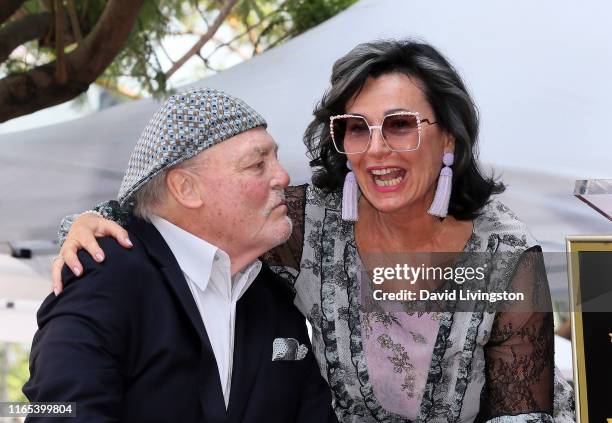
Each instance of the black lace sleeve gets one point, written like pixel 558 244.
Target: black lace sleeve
pixel 111 210
pixel 285 259
pixel 520 353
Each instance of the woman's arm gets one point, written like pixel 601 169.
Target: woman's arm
pixel 520 352
pixel 110 210
pixel 80 232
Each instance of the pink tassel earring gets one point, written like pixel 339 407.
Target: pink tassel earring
pixel 439 206
pixel 350 196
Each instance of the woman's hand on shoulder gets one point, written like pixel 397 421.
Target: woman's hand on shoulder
pixel 82 235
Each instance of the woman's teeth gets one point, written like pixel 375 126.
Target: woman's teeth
pixel 387 177
pixel 388 183
pixel 385 171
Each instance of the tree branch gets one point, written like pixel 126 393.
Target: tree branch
pixel 223 13
pixel 208 66
pixel 202 15
pixel 163 49
pixel 247 31
pixel 229 46
pixel 256 44
pixel 61 72
pixel 37 88
pixel 29 28
pixel 74 21
pixel 279 40
pixel 8 7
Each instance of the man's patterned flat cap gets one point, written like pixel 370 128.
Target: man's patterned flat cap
pixel 186 124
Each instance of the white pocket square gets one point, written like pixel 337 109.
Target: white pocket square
pixel 288 349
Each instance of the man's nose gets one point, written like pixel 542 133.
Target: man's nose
pixel 281 178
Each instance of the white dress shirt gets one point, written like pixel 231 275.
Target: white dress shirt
pixel 207 272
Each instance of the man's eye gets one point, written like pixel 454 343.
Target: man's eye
pixel 259 165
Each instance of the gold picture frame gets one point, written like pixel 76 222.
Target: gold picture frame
pixel 576 245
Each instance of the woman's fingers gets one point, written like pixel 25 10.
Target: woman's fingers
pixel 69 253
pixel 83 235
pixel 110 228
pixel 56 274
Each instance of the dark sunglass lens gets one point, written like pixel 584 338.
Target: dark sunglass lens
pixel 400 124
pixel 401 132
pixel 351 134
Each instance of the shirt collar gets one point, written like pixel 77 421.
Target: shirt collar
pixel 196 257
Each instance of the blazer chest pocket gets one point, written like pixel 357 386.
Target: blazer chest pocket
pixel 288 349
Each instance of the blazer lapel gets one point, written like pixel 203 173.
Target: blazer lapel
pixel 213 404
pixel 254 329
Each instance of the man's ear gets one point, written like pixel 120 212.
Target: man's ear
pixel 184 187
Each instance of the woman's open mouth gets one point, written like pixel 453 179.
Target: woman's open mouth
pixel 387 178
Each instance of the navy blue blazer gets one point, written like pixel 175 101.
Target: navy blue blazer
pixel 126 343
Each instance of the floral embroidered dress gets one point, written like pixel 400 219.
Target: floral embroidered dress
pixel 423 367
pixel 434 367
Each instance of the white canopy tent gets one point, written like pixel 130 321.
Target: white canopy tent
pixel 538 71
pixel 21 292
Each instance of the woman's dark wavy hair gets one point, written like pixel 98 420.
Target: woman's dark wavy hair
pixel 453 107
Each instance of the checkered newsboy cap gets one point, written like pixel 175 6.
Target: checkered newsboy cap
pixel 186 124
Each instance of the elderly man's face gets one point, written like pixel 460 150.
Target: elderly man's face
pixel 242 185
